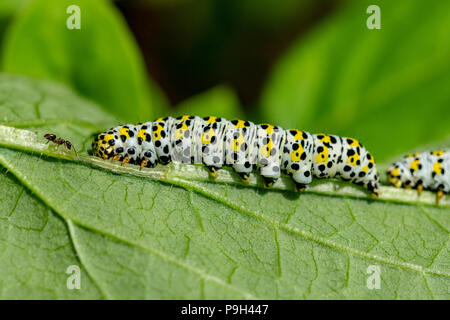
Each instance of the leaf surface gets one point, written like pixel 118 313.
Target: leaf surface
pixel 137 237
pixel 35 249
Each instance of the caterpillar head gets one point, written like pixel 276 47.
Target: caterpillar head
pixel 103 145
pixel 398 174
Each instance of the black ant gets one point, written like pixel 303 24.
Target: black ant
pixel 59 141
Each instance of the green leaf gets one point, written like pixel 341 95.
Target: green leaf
pixel 388 87
pixel 8 10
pixel 100 60
pixel 149 237
pixel 220 101
pixel 35 249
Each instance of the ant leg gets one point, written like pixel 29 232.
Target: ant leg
pixel 76 153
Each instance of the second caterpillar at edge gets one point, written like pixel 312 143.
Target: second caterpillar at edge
pixel 244 146
pixel 428 170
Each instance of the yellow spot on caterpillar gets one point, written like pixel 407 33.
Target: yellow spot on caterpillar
pixel 157 132
pixel 437 168
pixel 415 165
pixel 236 143
pixel 240 124
pixel 269 128
pixel 108 137
pixel 413 155
pixel 265 149
pixel 211 119
pixel 438 153
pixel 179 133
pixel 353 159
pixel 297 154
pixel 142 134
pixel 325 139
pixel 124 132
pixel 353 142
pixel 395 172
pixel 184 118
pixel 298 134
pixel 322 156
pixel 393 178
pixel 365 169
pixel 206 136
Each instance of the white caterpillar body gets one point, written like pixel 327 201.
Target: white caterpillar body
pixel 244 146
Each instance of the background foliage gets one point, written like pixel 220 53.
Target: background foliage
pixel 307 64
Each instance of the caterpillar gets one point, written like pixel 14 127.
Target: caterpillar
pixel 244 146
pixel 429 170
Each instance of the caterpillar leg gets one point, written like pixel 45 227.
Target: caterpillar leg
pixel 116 158
pixel 143 164
pixel 439 195
pixel 419 189
pixel 125 160
pixel 301 178
pixel 373 188
pixel 268 182
pixel 299 187
pixel 245 176
pixel 212 172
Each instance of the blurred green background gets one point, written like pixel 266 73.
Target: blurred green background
pixel 312 65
